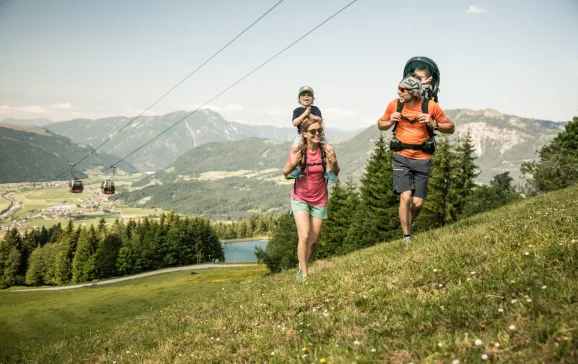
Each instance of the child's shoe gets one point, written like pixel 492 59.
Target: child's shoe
pixel 330 176
pixel 295 174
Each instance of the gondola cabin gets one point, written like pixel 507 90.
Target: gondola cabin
pixel 107 187
pixel 76 186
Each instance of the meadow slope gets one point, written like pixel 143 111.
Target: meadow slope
pixel 500 287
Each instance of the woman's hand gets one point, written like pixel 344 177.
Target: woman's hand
pixel 296 158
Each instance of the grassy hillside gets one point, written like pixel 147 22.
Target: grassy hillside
pixel 501 286
pixel 30 318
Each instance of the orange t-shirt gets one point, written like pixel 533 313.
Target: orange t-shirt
pixel 415 133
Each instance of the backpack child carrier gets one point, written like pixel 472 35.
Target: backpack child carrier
pixel 428 92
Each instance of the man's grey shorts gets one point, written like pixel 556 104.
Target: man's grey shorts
pixel 410 175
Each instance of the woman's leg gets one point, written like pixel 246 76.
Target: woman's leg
pixel 303 228
pixel 314 233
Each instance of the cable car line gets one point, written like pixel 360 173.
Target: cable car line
pixel 168 92
pixel 236 83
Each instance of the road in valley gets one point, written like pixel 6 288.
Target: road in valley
pixel 116 280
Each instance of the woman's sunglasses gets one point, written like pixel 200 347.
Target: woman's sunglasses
pixel 315 131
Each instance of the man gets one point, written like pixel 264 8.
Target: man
pixel 415 123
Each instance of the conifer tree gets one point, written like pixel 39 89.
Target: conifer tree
pixel 439 206
pixel 379 220
pixel 465 173
pixel 343 204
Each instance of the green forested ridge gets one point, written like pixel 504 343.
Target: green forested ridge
pixel 40 156
pixel 59 256
pixel 222 199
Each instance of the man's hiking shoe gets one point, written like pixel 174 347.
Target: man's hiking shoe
pixel 295 174
pixel 330 176
pixel 299 276
pixel 406 240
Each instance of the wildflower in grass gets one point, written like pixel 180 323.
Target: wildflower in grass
pixel 528 300
pixel 497 345
pixel 304 349
pixel 544 287
pixel 272 353
pixel 478 342
pixel 373 350
pixel 573 241
pixel 526 253
pixel 512 282
pixel 512 327
pixel 356 342
pixel 513 301
pixel 440 345
pixel 472 273
pixel 440 285
pixel 435 270
pixel 455 361
pixel 322 360
pixel 484 357
pixel 500 310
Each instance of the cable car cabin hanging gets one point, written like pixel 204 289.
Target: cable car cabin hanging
pixel 107 187
pixel 75 185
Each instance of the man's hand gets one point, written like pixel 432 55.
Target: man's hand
pixel 426 118
pixel 330 154
pixel 395 116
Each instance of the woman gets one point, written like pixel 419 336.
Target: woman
pixel 309 194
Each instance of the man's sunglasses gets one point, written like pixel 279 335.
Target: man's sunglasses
pixel 315 131
pixel 401 89
pixel 411 121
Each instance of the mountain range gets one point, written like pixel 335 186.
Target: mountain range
pixel 32 154
pixel 202 127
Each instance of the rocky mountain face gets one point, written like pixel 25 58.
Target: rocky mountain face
pixel 202 127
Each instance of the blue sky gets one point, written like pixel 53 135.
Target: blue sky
pixel 64 59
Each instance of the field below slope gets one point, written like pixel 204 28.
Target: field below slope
pixel 501 286
pixel 30 319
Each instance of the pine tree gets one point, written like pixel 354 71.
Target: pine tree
pixel 380 218
pixel 281 251
pixel 465 173
pixel 341 209
pixel 439 205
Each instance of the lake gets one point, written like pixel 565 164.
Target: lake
pixel 242 251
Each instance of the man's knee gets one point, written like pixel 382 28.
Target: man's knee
pixel 405 198
pixel 417 202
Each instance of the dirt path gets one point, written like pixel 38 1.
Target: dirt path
pixel 116 280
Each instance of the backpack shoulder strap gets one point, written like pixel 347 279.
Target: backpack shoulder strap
pixel 399 109
pixel 425 110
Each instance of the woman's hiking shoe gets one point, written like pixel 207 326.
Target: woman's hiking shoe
pixel 330 176
pixel 295 174
pixel 299 276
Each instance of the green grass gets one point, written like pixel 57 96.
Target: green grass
pixel 508 278
pixel 30 318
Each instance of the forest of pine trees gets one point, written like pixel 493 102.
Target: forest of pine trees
pixel 59 256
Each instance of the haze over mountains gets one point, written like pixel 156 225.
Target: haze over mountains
pixel 205 126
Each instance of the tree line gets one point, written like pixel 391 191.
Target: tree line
pixel 59 256
pixel 256 225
